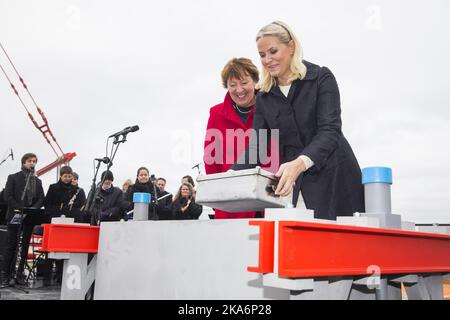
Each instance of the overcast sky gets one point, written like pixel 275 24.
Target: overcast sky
pixel 96 67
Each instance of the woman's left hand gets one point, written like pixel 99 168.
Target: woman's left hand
pixel 288 174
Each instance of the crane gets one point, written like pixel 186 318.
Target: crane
pixel 44 128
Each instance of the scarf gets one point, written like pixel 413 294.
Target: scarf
pixel 30 192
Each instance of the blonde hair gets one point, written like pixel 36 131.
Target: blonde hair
pixel 284 34
pixel 128 183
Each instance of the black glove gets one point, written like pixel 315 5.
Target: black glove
pixel 105 215
pixel 183 201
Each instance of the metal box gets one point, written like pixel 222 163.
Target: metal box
pixel 235 191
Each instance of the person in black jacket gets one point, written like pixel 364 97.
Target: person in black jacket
pixel 80 196
pixel 144 184
pixel 164 201
pixel 34 198
pixel 3 208
pixel 63 198
pixel 184 206
pixel 110 202
pixel 301 100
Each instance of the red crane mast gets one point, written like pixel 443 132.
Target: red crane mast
pixel 44 128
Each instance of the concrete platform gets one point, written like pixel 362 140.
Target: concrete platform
pixel 45 293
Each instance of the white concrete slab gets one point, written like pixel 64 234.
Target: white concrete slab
pixel 197 259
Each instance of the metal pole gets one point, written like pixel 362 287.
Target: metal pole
pixel 141 203
pixel 377 195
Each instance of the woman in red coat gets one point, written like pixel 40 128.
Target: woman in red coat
pixel 239 77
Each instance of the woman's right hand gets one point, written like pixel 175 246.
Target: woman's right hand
pixel 288 174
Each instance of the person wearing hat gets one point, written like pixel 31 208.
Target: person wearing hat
pixel 109 200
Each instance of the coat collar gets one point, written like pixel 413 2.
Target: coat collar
pixel 312 70
pixel 229 112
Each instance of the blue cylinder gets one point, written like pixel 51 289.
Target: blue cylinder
pixel 141 203
pixel 377 175
pixel 141 197
pixel 377 189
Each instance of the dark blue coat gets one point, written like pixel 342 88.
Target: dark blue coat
pixel 309 123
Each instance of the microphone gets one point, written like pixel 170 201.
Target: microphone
pixel 125 131
pixel 12 154
pixel 105 160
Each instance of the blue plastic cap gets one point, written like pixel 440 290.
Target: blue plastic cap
pixel 377 175
pixel 140 197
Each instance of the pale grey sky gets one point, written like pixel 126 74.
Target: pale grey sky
pixel 96 67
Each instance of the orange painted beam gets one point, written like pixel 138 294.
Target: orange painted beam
pixel 266 246
pixel 314 250
pixel 70 238
pixel 447 289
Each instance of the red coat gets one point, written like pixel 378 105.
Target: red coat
pixel 222 117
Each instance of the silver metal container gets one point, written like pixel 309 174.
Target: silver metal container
pixel 236 191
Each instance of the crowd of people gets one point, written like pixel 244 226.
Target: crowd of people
pixel 65 198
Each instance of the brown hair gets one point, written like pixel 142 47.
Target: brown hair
pixel 191 191
pixel 239 68
pixel 140 169
pixel 27 156
pixel 65 170
pixel 189 179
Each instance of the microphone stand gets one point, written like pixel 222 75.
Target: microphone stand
pixel 6 158
pixel 91 201
pixel 155 201
pixel 94 202
pixel 198 168
pixel 20 229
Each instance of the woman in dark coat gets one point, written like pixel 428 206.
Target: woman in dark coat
pixel 184 206
pixel 301 100
pixel 145 185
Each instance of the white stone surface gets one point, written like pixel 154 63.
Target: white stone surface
pixel 197 259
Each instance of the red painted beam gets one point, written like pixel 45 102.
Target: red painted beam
pixel 266 246
pixel 70 238
pixel 60 161
pixel 317 250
